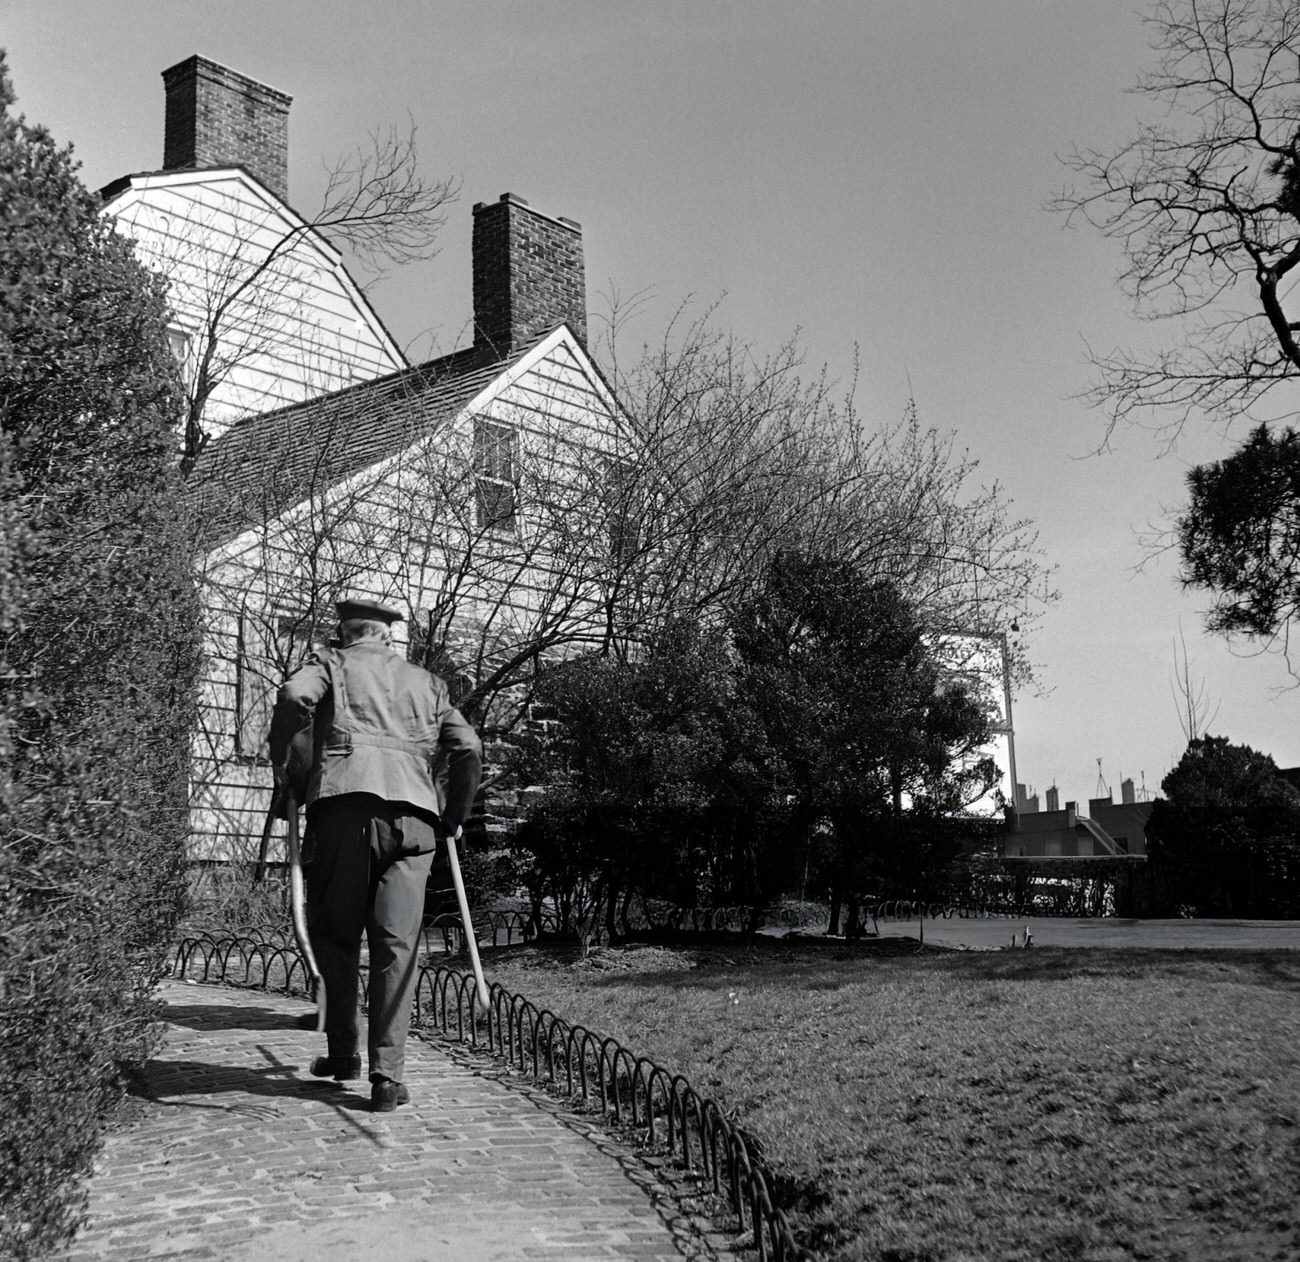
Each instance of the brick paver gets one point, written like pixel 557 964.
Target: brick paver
pixel 235 1154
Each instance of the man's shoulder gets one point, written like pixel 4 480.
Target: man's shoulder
pixel 411 673
pixel 422 673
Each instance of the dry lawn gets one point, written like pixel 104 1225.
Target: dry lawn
pixel 945 1106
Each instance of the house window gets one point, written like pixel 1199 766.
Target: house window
pixel 496 474
pixel 269 648
pixel 180 342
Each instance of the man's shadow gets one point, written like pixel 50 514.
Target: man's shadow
pixel 166 1082
pixel 206 1017
pixel 162 1081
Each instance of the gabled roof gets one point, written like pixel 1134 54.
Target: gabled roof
pixel 141 183
pixel 264 465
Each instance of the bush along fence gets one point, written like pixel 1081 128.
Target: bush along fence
pixel 626 1089
pixel 1083 886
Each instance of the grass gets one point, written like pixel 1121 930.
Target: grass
pixel 938 1106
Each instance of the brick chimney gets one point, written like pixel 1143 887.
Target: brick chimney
pixel 528 274
pixel 217 117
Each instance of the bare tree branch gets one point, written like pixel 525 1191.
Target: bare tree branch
pixel 1206 205
pixel 242 273
pixel 379 206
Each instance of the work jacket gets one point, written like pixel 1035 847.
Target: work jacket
pixel 379 725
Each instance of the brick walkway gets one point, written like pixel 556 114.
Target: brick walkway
pixel 232 1153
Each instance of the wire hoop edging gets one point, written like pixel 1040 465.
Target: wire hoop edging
pixel 534 1040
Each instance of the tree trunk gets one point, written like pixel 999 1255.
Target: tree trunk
pixel 611 912
pixel 623 911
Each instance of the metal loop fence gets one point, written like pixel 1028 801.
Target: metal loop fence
pixel 909 909
pixel 626 1089
pixel 497 928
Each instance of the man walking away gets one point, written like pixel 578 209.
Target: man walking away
pixel 391 758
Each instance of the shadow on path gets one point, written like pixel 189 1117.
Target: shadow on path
pixel 207 1017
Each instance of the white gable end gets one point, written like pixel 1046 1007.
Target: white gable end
pixel 264 297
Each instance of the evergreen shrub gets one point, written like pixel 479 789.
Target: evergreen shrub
pixel 98 670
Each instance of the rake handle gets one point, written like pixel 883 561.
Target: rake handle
pixel 465 920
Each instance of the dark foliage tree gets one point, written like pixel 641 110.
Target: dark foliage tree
pixel 1240 536
pixel 647 769
pixel 1225 839
pixel 99 661
pixel 878 740
pixel 714 769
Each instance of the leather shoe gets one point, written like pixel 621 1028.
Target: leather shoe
pixel 340 1068
pixel 386 1095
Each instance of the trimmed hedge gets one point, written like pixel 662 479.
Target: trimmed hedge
pixel 98 670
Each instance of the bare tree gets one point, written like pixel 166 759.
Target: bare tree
pixel 1190 700
pixel 733 457
pixel 242 276
pixel 1206 204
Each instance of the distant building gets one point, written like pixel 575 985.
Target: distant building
pixel 1026 800
pixel 1291 775
pixel 1109 828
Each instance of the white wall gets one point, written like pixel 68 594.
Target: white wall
pixel 405 531
pixel 289 322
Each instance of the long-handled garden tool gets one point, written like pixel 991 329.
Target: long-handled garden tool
pixel 459 882
pixel 298 905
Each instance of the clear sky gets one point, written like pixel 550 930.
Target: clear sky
pixel 872 175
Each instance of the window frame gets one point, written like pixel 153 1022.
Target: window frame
pixel 495 459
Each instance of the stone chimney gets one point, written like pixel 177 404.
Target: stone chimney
pixel 217 117
pixel 1127 796
pixel 528 275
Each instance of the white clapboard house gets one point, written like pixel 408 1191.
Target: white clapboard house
pixel 466 490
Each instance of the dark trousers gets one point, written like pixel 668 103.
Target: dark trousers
pixel 366 862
